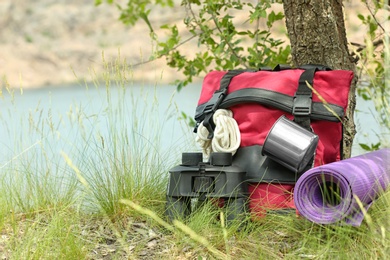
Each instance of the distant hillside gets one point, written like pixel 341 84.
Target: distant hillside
pixel 48 42
pixel 51 42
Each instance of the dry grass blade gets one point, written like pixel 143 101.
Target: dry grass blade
pixel 201 240
pixel 324 102
pixel 147 212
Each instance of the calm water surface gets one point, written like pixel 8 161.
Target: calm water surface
pixel 78 121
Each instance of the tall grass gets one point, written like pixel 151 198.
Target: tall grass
pixel 128 162
pixel 52 182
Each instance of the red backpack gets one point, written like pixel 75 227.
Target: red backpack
pixel 313 96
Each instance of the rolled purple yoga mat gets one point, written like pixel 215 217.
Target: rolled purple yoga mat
pixel 331 193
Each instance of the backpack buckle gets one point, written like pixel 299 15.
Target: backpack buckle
pixel 302 105
pixel 209 110
pixel 215 101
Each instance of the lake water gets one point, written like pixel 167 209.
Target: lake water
pixel 76 120
pixel 49 122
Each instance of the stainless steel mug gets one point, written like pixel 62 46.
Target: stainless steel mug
pixel 290 144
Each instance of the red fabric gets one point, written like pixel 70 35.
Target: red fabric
pixel 270 196
pixel 255 121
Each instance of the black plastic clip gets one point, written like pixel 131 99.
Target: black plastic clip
pixel 209 110
pixel 215 101
pixel 302 105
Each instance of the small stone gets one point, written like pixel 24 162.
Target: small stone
pixel 152 243
pixel 143 253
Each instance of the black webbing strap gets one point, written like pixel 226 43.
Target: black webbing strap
pixel 216 99
pixel 303 99
pixel 278 67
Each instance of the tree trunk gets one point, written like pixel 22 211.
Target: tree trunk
pixel 317 33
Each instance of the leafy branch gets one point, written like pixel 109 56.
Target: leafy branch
pixel 222 45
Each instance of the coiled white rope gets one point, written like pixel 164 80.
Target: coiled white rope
pixel 227 135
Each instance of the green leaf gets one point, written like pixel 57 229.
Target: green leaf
pixel 372 27
pixel 361 17
pixel 365 97
pixel 179 84
pixel 365 147
pixel 376 146
pixel 144 16
pixel 98 2
pixel 273 17
pixel 242 33
pixel 197 2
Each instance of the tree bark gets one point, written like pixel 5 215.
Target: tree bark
pixel 317 33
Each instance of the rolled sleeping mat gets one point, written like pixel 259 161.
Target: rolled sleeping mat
pixel 332 193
